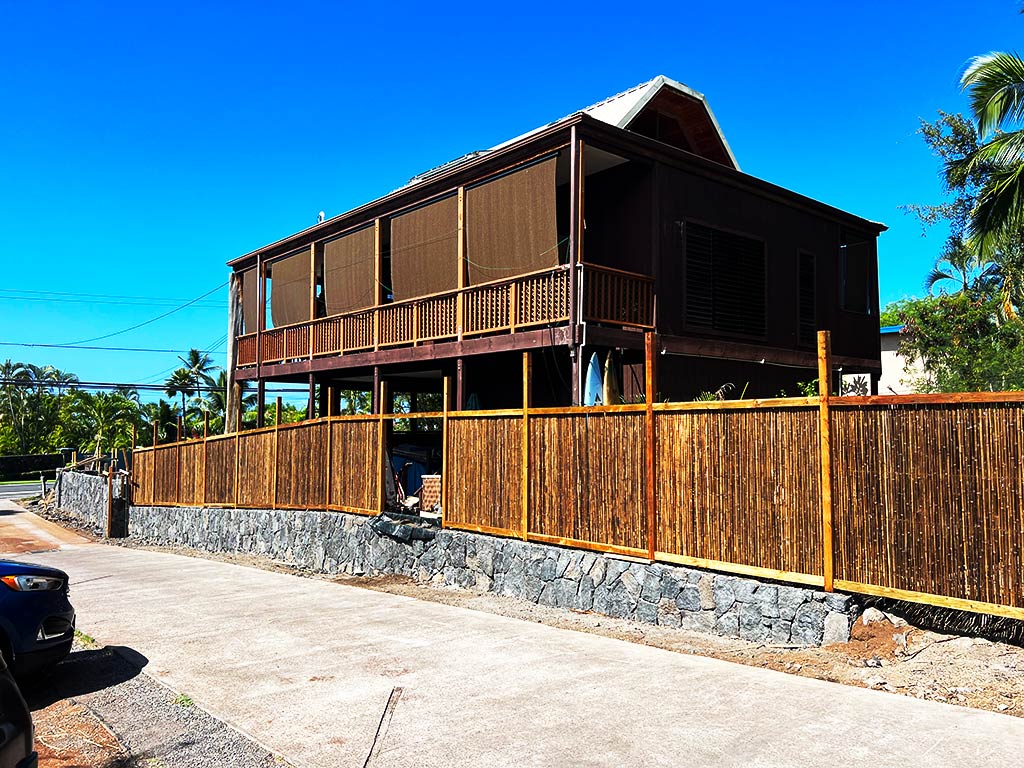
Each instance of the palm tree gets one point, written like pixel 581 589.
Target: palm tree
pixel 111 416
pixel 199 366
pixel 965 271
pixel 995 83
pixel 162 413
pixel 216 401
pixel 181 383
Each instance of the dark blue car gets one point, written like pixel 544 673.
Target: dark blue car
pixel 37 623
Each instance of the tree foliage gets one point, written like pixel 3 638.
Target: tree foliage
pixel 960 343
pixel 995 86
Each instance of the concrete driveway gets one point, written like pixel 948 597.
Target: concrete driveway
pixel 308 669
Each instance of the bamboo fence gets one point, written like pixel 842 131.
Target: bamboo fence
pixel 918 497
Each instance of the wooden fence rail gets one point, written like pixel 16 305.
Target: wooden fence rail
pixel 918 497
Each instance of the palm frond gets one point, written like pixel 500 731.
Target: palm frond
pixel 999 211
pixel 996 82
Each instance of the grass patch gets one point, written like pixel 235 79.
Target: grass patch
pixel 184 700
pixel 83 638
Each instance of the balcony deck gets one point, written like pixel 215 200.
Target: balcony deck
pixel 525 302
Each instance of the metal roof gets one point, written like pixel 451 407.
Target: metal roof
pixel 618 110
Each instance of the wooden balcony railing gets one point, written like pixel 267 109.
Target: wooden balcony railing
pixel 617 297
pixel 531 300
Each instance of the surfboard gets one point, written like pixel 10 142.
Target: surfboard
pixel 611 394
pixel 593 383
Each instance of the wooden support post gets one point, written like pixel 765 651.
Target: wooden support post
pixel 381 453
pixel 825 439
pixel 261 403
pixel 110 500
pixel 460 385
pixel 261 313
pixel 206 424
pixel 135 436
pixel 576 178
pixel 378 279
pixel 513 309
pixel 232 392
pixel 524 491
pixel 460 301
pixel 330 448
pixel 277 454
pixel 650 384
pixel 310 403
pixel 376 404
pixel 446 393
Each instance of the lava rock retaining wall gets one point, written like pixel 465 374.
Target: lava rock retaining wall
pixel 668 595
pixel 84 497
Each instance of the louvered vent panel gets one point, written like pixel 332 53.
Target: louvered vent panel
pixel 699 276
pixel 725 281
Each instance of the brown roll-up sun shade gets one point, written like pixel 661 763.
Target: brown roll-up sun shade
pixel 511 225
pixel 424 250
pixel 290 289
pixel 349 281
pixel 250 300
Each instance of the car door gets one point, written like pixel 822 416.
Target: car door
pixel 15 725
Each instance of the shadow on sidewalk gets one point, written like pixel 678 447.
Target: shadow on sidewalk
pixel 82 672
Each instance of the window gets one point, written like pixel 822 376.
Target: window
pixel 725 281
pixel 807 328
pixel 857 255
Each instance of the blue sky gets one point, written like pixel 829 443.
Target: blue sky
pixel 144 145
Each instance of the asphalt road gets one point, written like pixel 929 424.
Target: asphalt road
pixel 22 490
pixel 326 674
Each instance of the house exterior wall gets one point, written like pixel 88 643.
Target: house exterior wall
pixel 786 231
pixel 896 379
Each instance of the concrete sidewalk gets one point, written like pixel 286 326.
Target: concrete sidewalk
pixel 307 668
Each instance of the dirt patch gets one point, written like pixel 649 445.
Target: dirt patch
pixel 70 736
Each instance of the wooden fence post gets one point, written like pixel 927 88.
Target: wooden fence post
pixel 381 454
pixel 650 382
pixel 825 441
pixel 277 429
pixel 110 500
pixel 177 461
pixel 446 395
pixel 525 490
pixel 330 448
pixel 238 470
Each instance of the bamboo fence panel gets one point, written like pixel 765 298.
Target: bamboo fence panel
pixel 301 466
pixel 220 471
pixel 740 487
pixel 142 477
pixel 587 481
pixel 930 499
pixel 355 474
pixel 256 469
pixel 484 465
pixel 165 475
pixel 190 483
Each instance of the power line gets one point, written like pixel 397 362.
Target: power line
pixel 113 302
pixel 152 320
pixel 112 385
pixel 105 349
pixel 94 295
